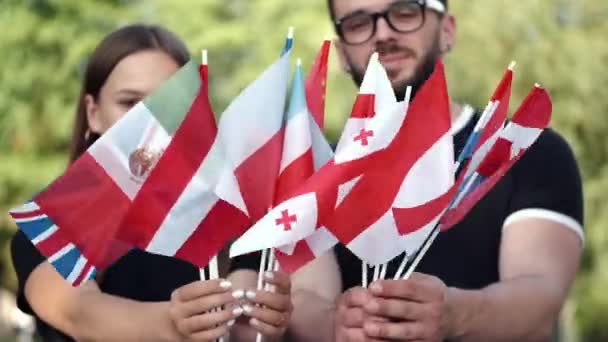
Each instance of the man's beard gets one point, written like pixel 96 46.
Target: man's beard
pixel 421 74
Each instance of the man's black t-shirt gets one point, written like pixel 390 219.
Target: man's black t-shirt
pixel 544 183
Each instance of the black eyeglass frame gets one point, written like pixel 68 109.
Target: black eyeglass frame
pixel 382 14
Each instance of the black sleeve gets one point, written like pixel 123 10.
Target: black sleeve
pixel 25 259
pixel 249 261
pixel 547 178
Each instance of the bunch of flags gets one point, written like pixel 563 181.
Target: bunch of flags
pixel 169 178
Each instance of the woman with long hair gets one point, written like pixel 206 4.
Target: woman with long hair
pixel 142 297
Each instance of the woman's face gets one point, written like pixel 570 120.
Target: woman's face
pixel 132 79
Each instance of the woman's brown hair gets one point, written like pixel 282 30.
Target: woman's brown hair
pixel 116 46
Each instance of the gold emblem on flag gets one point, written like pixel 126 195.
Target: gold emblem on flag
pixel 142 161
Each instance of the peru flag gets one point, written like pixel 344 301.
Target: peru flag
pixel 411 181
pixel 532 117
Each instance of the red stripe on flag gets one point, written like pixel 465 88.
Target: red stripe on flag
pixel 410 220
pixel 364 106
pixel 85 270
pixel 52 244
pixel 302 254
pixel 87 205
pixel 316 83
pixel 499 154
pixel 191 143
pixel 30 214
pixel 213 233
pixel 257 176
pixel 294 175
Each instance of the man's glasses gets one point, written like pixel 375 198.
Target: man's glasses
pixel 401 16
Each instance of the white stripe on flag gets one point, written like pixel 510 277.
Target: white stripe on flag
pixel 89 273
pixel 78 268
pixel 297 131
pixel 430 177
pixel 522 137
pixel 351 129
pixel 258 110
pixel 26 208
pixel 290 221
pixel 345 188
pixel 30 219
pixel 113 150
pixel 45 235
pixel 321 241
pixel 187 213
pixel 65 250
pixel 379 243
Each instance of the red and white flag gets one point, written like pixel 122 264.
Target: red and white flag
pixel 392 206
pixel 532 117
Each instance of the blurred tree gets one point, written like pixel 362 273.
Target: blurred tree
pixel 558 43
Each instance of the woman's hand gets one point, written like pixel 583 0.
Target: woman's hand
pixel 204 310
pixel 270 312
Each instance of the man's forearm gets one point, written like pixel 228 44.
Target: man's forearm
pixel 522 309
pixel 312 319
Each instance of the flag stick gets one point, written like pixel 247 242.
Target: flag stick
pixel 214 272
pixel 271 266
pixel 213 265
pixel 262 268
pixel 401 267
pixel 376 273
pixel 204 57
pixel 363 274
pixel 422 252
pixel 383 269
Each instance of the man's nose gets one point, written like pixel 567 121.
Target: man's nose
pixel 383 30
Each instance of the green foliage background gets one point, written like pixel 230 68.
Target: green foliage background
pixel 559 43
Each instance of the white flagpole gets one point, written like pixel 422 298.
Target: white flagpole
pixel 271 265
pixel 262 268
pixel 422 252
pixel 376 273
pixel 383 269
pixel 401 267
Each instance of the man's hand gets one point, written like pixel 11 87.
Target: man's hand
pixel 415 309
pixel 350 315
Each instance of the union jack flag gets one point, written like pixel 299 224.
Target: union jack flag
pixel 49 240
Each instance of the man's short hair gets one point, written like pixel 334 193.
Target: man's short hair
pixel 332 12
